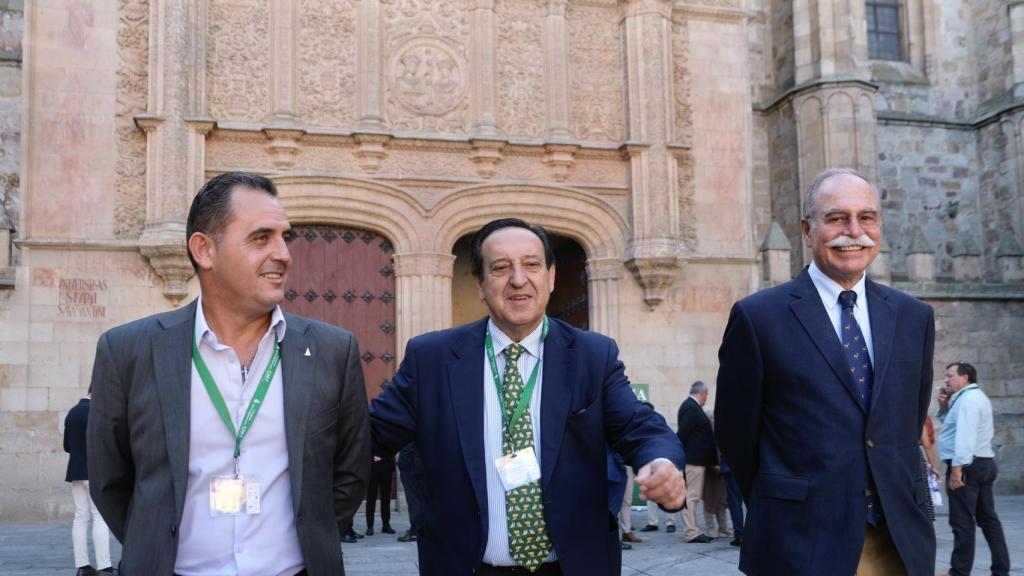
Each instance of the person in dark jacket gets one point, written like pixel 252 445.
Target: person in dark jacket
pixel 382 470
pixel 698 440
pixel 74 444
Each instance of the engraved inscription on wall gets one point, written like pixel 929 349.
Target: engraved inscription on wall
pixel 82 298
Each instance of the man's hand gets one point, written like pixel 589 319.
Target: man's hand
pixel 956 478
pixel 943 399
pixel 662 482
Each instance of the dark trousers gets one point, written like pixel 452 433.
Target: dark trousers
pixel 546 569
pixel 734 498
pixel 411 469
pixel 381 474
pixel 974 505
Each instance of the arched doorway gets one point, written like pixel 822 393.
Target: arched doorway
pixel 569 301
pixel 343 276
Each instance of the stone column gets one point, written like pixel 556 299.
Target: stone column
pixel 829 39
pixel 176 125
pixel 283 65
pixel 603 276
pixel 423 281
pixel 1016 8
pixel 653 254
pixel 370 62
pixel 920 258
pixel 556 70
pixel 482 54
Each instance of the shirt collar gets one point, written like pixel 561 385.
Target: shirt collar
pixel 205 334
pixel 532 342
pixel 970 386
pixel 829 289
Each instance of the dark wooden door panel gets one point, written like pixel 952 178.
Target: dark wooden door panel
pixel 343 276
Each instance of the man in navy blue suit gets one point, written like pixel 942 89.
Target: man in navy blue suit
pixel 512 415
pixel 823 387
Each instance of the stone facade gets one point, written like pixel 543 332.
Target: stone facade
pixel 665 137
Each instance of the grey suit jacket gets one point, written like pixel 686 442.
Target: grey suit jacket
pixel 138 436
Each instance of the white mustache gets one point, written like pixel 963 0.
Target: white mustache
pixel 843 241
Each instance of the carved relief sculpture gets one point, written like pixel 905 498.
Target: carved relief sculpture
pixel 520 68
pixel 132 76
pixel 238 70
pixel 327 62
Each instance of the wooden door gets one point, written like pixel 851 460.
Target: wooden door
pixel 344 276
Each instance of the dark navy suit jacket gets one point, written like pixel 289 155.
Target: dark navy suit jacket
pixel 801 444
pixel 437 399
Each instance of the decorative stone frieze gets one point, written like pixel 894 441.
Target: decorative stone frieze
pixel 966 258
pixel 486 156
pixel 1010 258
pixel 371 149
pixel 920 258
pixel 775 254
pixel 560 160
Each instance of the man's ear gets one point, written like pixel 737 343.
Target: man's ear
pixel 551 279
pixel 203 249
pixel 805 227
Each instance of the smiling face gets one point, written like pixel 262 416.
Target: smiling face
pixel 517 281
pixel 246 266
pixel 844 231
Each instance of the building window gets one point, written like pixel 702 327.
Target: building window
pixel 885 40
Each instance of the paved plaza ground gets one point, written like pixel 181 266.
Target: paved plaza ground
pixel 45 550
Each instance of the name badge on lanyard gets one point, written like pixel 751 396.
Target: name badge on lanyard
pixel 518 469
pixel 235 495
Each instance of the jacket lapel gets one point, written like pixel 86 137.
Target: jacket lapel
pixel 883 316
pixel 172 369
pixel 559 363
pixel 812 315
pixel 298 380
pixel 465 385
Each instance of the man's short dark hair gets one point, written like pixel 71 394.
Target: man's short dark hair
pixel 965 369
pixel 211 208
pixel 476 258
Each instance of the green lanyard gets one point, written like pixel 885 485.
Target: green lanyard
pixel 218 400
pixel 524 400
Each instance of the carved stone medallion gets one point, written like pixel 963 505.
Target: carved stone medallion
pixel 427 75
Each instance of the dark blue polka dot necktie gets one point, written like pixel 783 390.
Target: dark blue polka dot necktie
pixel 863 374
pixel 856 349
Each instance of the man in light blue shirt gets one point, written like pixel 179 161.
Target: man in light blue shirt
pixel 965 444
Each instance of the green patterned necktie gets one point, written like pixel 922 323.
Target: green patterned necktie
pixel 528 540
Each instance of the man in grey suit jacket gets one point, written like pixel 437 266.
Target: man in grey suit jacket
pixel 228 436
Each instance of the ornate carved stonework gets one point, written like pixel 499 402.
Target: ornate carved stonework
pixel 595 74
pixel 238 68
pixel 486 155
pixel 687 204
pixel 681 82
pixel 520 68
pixel 132 77
pixel 327 62
pixel 427 71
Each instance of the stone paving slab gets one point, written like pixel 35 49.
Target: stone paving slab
pixel 45 549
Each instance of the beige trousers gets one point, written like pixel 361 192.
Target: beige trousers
pixel 879 556
pixel 694 493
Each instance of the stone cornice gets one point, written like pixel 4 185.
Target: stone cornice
pixel 816 84
pixel 61 244
pixel 986 117
pixel 962 291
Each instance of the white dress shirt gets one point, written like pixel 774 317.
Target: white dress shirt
pixel 828 290
pixel 497 553
pixel 967 428
pixel 264 544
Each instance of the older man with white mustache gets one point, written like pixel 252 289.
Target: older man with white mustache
pixel 823 386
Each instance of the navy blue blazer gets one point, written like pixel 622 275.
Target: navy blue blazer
pixel 801 445
pixel 437 399
pixel 74 441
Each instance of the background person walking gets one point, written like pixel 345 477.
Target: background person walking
pixel 74 444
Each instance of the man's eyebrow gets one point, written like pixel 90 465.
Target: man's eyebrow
pixel 259 232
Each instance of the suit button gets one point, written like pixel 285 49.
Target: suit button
pixel 870 443
pixel 867 492
pixel 174 529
